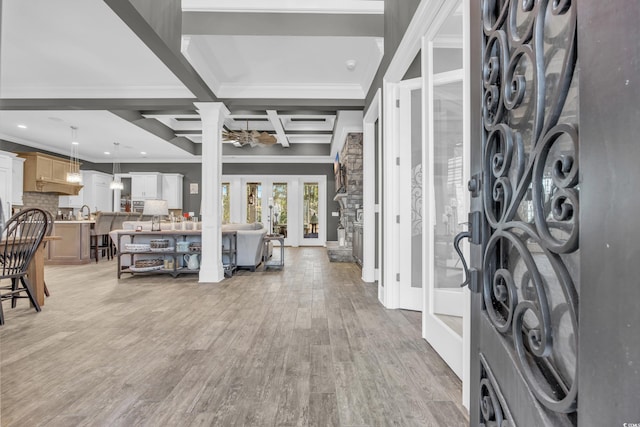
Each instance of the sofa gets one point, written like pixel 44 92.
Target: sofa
pixel 250 244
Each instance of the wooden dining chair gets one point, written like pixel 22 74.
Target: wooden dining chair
pixel 48 233
pixel 23 234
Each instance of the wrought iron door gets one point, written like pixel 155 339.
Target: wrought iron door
pixel 525 204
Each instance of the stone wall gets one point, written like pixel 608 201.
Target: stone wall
pixel 351 159
pixel 46 201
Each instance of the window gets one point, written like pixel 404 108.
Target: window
pixel 226 202
pixel 254 202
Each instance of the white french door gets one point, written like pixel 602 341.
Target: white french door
pixel 312 202
pixel 446 200
pixel 292 213
pixel 410 284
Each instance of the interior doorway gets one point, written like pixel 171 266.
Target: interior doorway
pixel 411 195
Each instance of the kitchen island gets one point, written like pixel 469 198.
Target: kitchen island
pixel 73 248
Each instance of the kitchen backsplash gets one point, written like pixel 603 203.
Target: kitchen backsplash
pixel 46 201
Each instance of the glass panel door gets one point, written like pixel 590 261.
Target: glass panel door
pixel 411 195
pixel 446 205
pixel 226 202
pixel 254 202
pixel 310 210
pixel 279 195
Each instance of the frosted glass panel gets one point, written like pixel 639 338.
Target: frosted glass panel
pixel 416 189
pixel 449 191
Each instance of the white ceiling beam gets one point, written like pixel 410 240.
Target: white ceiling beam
pixel 277 126
pixel 283 6
pixel 282 24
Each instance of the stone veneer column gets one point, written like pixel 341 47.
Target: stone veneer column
pixel 212 115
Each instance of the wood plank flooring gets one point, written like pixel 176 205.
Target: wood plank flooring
pixel 306 346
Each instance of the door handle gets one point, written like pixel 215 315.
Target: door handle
pixel 472 277
pixel 456 246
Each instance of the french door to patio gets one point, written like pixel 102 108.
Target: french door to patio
pixel 294 206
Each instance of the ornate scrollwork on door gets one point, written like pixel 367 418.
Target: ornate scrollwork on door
pixel 531 191
pixel 493 407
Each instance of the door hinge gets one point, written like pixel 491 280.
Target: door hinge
pixel 397 103
pixel 397 219
pixel 397 161
pixel 397 277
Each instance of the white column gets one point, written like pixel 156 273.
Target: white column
pixel 212 115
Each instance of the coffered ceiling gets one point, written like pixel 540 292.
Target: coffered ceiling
pixel 297 71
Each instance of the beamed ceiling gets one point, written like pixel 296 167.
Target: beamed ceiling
pixel 299 73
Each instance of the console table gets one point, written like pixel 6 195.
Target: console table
pixel 279 263
pixel 174 236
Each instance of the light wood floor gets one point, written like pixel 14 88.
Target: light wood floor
pixel 309 345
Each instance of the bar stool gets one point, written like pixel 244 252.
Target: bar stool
pixel 100 233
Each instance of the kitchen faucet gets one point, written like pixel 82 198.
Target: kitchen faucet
pixel 88 211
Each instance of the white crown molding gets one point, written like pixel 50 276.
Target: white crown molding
pixel 85 92
pixel 285 6
pixel 29 143
pixel 277 159
pixel 314 91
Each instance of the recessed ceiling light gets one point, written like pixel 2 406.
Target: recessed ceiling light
pixel 75 143
pixel 22 126
pixel 144 153
pixel 107 153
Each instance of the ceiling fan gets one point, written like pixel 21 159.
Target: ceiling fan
pixel 246 137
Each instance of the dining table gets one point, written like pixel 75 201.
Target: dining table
pixel 35 269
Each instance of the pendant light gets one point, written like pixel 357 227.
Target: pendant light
pixel 73 176
pixel 116 184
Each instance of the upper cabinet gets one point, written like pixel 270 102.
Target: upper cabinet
pixel 146 186
pixel 47 174
pixel 172 189
pixel 96 193
pixel 10 181
pixel 17 180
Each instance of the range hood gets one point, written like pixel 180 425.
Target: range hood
pixel 66 189
pixel 47 174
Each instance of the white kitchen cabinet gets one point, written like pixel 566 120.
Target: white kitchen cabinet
pixel 17 180
pixel 146 186
pixel 72 201
pixel 95 193
pixel 11 177
pixel 172 189
pixel 6 176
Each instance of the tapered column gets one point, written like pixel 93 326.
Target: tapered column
pixel 212 115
